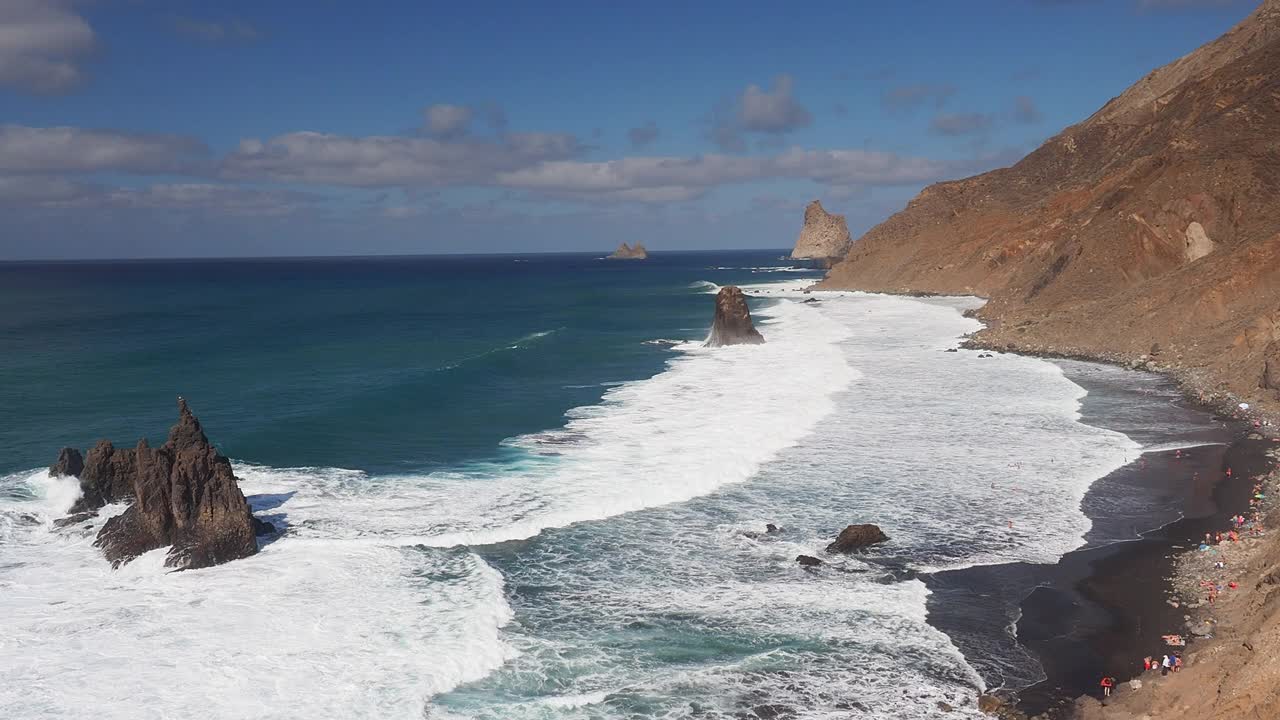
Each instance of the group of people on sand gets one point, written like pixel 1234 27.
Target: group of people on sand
pixel 1239 524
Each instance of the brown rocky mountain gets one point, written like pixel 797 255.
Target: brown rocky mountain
pixel 1148 233
pixel 824 236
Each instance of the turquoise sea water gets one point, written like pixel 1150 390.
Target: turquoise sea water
pixel 519 487
pixel 379 364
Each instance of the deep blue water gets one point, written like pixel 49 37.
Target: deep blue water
pixel 379 364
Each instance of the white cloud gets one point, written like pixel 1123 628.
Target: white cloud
pixel 643 135
pixel 42 43
pixel 774 110
pixel 38 190
pixel 904 98
pixel 446 121
pixel 391 160
pixel 658 179
pixel 961 123
pixel 1025 110
pixel 77 150
pixel 756 110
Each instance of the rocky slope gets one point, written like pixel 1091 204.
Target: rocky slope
pixel 626 252
pixel 732 324
pixel 824 236
pixel 1149 233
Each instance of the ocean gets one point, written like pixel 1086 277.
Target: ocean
pixel 519 487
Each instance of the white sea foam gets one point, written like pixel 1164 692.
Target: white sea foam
pixel 370 604
pixel 347 615
pixel 321 630
pixel 714 417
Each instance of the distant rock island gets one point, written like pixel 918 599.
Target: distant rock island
pixel 732 325
pixel 824 236
pixel 626 252
pixel 184 495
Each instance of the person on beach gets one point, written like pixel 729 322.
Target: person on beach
pixel 1148 664
pixel 1177 662
pixel 1107 684
pixel 1165 665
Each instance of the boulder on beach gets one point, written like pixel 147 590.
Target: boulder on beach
pixel 186 497
pixel 69 464
pixel 732 325
pixel 627 252
pixel 857 537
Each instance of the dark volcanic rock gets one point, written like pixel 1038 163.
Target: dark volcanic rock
pixel 107 477
pixel 732 325
pixel 69 464
pixel 856 537
pixel 808 560
pixel 186 496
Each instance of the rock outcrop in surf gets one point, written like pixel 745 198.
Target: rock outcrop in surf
pixel 857 537
pixel 69 464
pixel 185 497
pixel 732 324
pixel 825 236
pixel 107 477
pixel 626 252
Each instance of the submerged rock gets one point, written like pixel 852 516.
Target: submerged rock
pixel 808 561
pixel 856 537
pixel 107 477
pixel 69 464
pixel 185 496
pixel 732 324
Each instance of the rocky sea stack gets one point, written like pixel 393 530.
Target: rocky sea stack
pixel 823 237
pixel 626 252
pixel 184 496
pixel 732 325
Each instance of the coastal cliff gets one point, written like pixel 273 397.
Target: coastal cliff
pixel 825 236
pixel 1148 233
pixel 627 252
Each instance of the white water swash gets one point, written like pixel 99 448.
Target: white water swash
pixel 632 589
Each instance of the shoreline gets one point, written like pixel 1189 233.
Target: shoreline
pixel 1104 606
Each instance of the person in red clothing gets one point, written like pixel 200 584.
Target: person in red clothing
pixel 1107 683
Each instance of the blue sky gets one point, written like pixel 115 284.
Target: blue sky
pixel 159 128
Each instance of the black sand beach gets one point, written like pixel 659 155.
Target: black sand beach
pixel 1102 608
